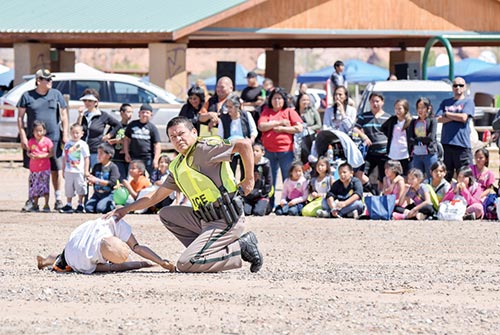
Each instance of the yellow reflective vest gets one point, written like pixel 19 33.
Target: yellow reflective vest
pixel 196 186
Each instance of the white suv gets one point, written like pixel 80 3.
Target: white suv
pixel 114 89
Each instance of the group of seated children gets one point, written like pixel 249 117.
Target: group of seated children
pixel 105 177
pixel 319 196
pixel 416 197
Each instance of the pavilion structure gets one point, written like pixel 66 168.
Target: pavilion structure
pixel 42 33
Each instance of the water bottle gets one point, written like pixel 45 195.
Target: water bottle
pixel 329 154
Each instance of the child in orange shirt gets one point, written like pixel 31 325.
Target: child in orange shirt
pixel 138 180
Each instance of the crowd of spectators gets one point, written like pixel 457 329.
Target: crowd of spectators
pixel 325 163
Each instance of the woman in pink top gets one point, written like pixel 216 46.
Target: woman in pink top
pixel 484 176
pixel 40 149
pixel 295 192
pixel 470 191
pixel 278 123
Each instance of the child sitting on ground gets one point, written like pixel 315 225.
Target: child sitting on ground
pixel 158 177
pixel 394 182
pixel 138 180
pixel 438 183
pixel 101 245
pixel 40 149
pixel 257 201
pixel 104 176
pixel 483 176
pixel 417 198
pixel 345 197
pixel 76 169
pixel 318 187
pixel 294 194
pixel 467 187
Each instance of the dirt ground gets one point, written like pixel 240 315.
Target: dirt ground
pixel 320 277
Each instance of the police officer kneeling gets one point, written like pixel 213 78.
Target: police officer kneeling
pixel 211 230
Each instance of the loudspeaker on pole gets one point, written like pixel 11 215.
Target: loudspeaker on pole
pixel 227 69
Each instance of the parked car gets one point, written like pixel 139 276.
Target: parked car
pixel 317 96
pixel 113 89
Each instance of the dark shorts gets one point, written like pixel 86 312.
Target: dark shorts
pixel 60 264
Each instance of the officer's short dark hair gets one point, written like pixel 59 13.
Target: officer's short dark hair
pixel 180 120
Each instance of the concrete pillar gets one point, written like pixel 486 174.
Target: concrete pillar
pixel 280 67
pixel 403 56
pixel 29 57
pixel 62 60
pixel 167 67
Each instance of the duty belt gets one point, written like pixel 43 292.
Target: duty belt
pixel 223 208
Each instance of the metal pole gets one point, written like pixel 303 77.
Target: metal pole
pixel 446 43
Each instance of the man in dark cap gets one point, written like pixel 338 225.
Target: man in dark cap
pixel 46 104
pixel 253 96
pixel 142 140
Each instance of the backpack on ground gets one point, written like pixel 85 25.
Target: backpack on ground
pixel 490 207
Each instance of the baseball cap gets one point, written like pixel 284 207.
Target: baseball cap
pixel 251 74
pixel 146 107
pixel 44 73
pixel 88 97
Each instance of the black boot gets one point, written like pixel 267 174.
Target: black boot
pixel 250 252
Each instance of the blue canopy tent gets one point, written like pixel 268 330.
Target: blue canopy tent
pixel 317 76
pixel 356 71
pixel 485 81
pixel 463 69
pixel 241 79
pixel 491 73
pixel 6 77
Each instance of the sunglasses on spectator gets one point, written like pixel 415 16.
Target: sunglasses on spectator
pixel 458 85
pixel 47 79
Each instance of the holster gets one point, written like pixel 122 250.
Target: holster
pixel 223 208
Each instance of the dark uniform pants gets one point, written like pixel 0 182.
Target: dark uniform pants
pixel 210 246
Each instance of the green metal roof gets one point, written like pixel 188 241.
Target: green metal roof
pixel 107 16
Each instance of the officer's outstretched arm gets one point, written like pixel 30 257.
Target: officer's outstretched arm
pixel 144 202
pixel 244 148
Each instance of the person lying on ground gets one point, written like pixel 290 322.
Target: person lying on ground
pixel 101 245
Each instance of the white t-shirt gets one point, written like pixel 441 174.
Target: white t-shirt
pixel 399 144
pixel 83 252
pixel 74 156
